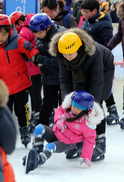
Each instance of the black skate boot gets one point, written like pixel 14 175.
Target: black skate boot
pixel 121 123
pixel 113 117
pixel 33 121
pixel 38 144
pixel 74 151
pixel 33 160
pixel 99 150
pixel 25 135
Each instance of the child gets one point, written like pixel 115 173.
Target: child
pixel 105 7
pixel 7 136
pixel 75 121
pixel 44 28
pixel 21 23
pixel 13 70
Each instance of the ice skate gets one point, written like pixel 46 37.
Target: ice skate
pixel 25 136
pixel 113 117
pixel 34 159
pixel 74 152
pixel 121 123
pixel 33 121
pixel 99 150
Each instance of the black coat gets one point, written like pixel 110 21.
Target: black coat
pixel 98 68
pixel 7 130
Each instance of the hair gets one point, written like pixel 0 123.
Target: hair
pixel 22 17
pixel 7 28
pixel 82 113
pixel 90 5
pixel 52 4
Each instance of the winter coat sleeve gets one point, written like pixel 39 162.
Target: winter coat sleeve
pixel 116 39
pixel 7 130
pixel 26 48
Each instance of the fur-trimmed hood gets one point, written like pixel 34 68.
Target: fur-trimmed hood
pixel 86 39
pixel 94 118
pixel 120 11
pixel 4 94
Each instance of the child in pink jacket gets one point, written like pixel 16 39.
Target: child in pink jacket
pixel 74 121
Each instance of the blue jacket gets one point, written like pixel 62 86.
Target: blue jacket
pixel 114 17
pixel 99 27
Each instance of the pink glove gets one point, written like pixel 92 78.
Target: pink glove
pixel 86 160
pixel 61 124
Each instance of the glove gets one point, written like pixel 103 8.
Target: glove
pixel 61 125
pixel 38 59
pixel 86 160
pixel 39 131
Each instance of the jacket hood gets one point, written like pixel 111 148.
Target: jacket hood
pixel 87 41
pixel 120 11
pixel 28 18
pixel 4 94
pixel 26 22
pixel 96 115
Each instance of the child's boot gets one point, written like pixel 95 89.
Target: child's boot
pixel 33 121
pixel 25 135
pixel 34 159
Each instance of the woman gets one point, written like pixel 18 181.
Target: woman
pixel 55 10
pixel 84 65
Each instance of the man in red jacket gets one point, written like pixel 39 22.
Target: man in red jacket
pixel 13 70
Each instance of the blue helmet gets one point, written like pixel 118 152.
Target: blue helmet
pixel 40 21
pixel 82 100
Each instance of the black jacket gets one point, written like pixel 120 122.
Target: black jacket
pixel 98 68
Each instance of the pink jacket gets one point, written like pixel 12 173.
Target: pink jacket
pixel 26 34
pixel 79 130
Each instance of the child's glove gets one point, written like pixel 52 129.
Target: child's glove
pixel 86 160
pixel 38 59
pixel 61 124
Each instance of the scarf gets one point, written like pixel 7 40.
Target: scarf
pixel 78 74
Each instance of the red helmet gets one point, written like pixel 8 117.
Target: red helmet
pixel 4 20
pixel 15 16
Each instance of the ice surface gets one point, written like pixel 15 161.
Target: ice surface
pixel 59 169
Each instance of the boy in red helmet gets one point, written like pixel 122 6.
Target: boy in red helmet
pixel 14 72
pixel 21 23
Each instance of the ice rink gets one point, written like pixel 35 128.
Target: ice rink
pixel 59 169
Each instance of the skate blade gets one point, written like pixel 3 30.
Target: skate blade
pixel 114 122
pixel 98 158
pixel 74 156
pixel 30 164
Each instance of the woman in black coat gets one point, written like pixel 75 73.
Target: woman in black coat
pixel 91 70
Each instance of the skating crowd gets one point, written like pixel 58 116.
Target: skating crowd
pixel 64 51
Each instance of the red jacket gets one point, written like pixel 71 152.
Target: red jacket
pixel 6 170
pixel 13 68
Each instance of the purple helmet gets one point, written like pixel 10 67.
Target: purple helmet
pixel 40 21
pixel 82 100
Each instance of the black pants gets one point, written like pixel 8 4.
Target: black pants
pixel 49 136
pixel 50 93
pixel 35 93
pixel 110 101
pixel 19 102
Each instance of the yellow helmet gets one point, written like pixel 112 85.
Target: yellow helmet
pixel 69 43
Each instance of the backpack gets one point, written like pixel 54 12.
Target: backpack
pixel 66 20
